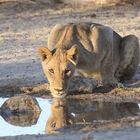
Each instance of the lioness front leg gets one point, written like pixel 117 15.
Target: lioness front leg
pixel 107 73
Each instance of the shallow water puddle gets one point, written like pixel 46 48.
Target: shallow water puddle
pixel 58 113
pixel 38 128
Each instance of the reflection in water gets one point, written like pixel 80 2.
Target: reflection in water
pixel 66 112
pixel 59 117
pixel 60 113
pixel 22 119
pixel 38 128
pixel 20 110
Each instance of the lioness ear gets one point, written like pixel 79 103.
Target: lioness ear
pixel 45 53
pixel 72 54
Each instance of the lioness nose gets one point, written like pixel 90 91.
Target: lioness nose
pixel 59 90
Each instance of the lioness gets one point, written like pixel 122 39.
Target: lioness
pixel 93 50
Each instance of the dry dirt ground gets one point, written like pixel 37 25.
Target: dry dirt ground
pixel 127 134
pixel 23 28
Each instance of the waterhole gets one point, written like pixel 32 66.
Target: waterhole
pixel 58 115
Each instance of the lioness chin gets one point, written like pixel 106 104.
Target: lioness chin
pixel 91 49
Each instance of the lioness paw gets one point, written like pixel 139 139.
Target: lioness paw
pixel 115 85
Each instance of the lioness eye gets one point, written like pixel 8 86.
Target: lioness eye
pixel 68 72
pixel 51 70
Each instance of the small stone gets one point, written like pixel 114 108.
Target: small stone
pixel 20 110
pixel 21 103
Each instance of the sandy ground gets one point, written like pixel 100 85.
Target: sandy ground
pixel 22 32
pixel 24 28
pixel 122 134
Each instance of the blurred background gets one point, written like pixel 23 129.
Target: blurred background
pixel 20 5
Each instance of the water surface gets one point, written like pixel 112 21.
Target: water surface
pixel 60 113
pixel 38 128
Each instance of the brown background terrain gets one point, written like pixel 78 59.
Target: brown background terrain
pixel 25 25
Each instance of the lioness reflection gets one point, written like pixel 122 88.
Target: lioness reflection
pixel 59 117
pixel 67 112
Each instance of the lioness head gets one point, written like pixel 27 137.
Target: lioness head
pixel 59 67
pixel 59 117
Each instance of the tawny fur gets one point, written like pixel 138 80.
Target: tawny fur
pixel 91 49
